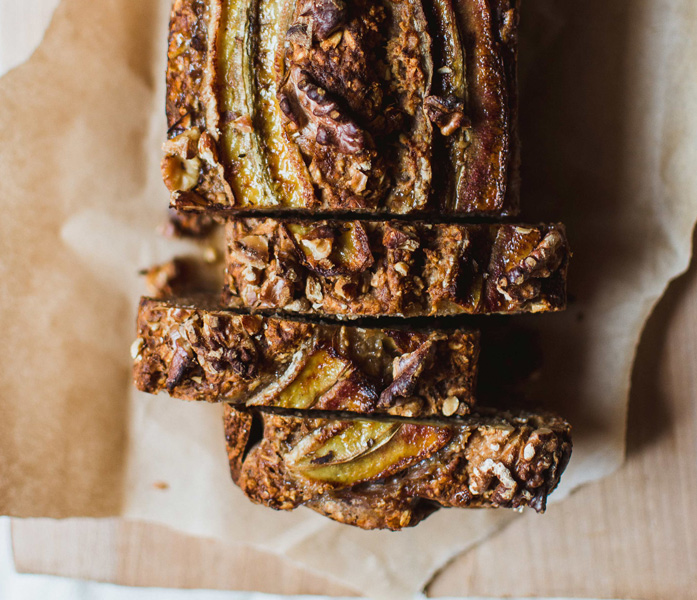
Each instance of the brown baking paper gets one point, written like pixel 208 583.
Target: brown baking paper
pixel 609 105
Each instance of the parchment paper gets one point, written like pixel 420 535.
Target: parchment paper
pixel 608 104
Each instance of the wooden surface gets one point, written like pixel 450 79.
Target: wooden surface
pixel 633 535
pixel 146 555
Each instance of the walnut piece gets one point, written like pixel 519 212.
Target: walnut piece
pixel 447 114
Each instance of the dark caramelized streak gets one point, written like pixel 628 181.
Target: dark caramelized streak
pixel 483 186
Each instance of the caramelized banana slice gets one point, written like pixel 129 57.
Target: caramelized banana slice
pixel 199 353
pixel 339 447
pixel 285 163
pixel 308 377
pixel 488 158
pixel 367 451
pixel 244 157
pixel 382 474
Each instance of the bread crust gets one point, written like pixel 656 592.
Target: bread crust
pixel 375 147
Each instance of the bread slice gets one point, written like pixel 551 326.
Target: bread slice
pixel 364 107
pixel 389 268
pixel 386 474
pixel 199 353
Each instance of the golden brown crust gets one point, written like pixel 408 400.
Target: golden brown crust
pixel 206 354
pixel 238 428
pixel 345 104
pixel 496 460
pixel 186 64
pixel 489 37
pixel 190 167
pixel 373 268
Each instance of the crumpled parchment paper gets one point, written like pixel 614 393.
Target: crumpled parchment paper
pixel 609 119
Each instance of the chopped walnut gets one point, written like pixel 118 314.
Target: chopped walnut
pixel 180 175
pixel 335 249
pixel 181 167
pixel 255 246
pixel 345 288
pixel 207 149
pixel 447 113
pixel 311 107
pixel 184 145
pixel 313 290
pixel 522 282
pixel 325 15
pixel 406 370
pixel 319 248
pixel 136 347
pixel 402 268
pixel 541 262
pixel 251 251
pixel 276 291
